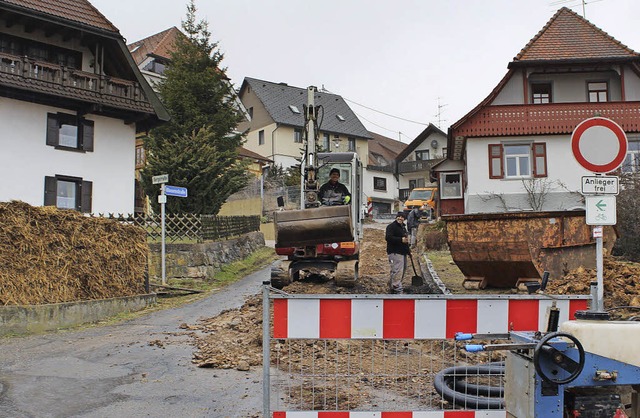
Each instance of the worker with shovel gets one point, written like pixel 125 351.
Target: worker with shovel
pixel 397 249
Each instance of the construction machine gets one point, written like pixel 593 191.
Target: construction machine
pixel 320 239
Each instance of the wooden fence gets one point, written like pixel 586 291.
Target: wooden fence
pixel 190 227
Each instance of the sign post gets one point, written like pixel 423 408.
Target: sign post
pixel 600 146
pixel 162 199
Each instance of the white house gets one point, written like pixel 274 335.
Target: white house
pixel 71 102
pixel 512 152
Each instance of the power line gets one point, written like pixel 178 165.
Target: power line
pixel 378 111
pixel 381 127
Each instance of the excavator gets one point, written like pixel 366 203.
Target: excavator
pixel 321 240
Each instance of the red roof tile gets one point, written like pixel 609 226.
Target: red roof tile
pixel 160 44
pixel 568 36
pixel 79 11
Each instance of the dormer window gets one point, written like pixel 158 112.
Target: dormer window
pixel 541 93
pixel 155 66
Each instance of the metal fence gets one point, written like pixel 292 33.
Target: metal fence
pixel 381 355
pixel 188 226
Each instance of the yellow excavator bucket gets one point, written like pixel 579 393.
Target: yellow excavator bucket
pixel 323 225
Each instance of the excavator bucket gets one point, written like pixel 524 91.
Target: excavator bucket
pixel 323 225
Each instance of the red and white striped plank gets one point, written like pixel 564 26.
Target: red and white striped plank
pixel 412 318
pixel 409 414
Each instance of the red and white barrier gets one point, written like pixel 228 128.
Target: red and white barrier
pixel 425 414
pixel 399 318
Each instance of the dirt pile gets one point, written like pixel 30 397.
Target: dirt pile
pixel 621 283
pixel 48 255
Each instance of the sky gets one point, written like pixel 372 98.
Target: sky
pixel 396 62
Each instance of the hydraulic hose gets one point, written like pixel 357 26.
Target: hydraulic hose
pixel 450 385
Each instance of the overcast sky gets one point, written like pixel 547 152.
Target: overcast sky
pixel 399 57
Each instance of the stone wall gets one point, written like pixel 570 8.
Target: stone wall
pixel 201 261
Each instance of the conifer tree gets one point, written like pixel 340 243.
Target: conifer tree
pixel 198 147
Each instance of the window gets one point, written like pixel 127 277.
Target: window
pixel 326 142
pixel 422 155
pixel 297 136
pixel 380 183
pixel 444 152
pixel 541 93
pixel 352 144
pixel 40 51
pixel 294 109
pixel 517 160
pixel 67 192
pixel 598 91
pixel 140 156
pixel 631 163
pixel 340 118
pixel 450 186
pixel 66 131
pixel 250 111
pixel 261 137
pixel 416 183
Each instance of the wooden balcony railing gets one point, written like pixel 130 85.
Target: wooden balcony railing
pixel 554 118
pixel 24 72
pixel 411 166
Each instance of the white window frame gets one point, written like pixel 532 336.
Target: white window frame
pixel 447 191
pixel 518 158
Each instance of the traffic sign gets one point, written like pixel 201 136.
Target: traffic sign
pixel 599 145
pixel 601 210
pixel 600 185
pixel 175 191
pixel 162 178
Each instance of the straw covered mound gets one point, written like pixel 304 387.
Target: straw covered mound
pixel 48 255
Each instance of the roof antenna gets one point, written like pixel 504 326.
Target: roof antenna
pixel 439 114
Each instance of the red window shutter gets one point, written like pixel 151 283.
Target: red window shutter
pixel 539 159
pixel 496 166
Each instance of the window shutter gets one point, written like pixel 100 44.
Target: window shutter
pixel 52 129
pixel 50 191
pixel 87 134
pixel 85 204
pixel 539 159
pixel 496 169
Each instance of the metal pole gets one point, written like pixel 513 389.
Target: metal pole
pixel 266 352
pixel 163 199
pixel 599 268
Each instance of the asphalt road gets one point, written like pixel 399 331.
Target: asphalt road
pixel 136 368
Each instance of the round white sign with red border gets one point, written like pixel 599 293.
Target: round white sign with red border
pixel 599 145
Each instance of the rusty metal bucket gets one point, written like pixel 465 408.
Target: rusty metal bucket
pixel 323 225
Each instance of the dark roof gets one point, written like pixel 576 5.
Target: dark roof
pixel 428 131
pixel 386 147
pixel 568 36
pixel 79 11
pixel 277 98
pixel 161 44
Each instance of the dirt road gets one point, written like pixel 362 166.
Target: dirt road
pixel 137 368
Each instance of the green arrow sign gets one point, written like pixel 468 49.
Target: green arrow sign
pixel 601 205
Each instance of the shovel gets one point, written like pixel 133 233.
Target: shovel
pixel 416 280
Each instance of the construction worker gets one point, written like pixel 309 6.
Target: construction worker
pixel 397 249
pixel 333 192
pixel 413 220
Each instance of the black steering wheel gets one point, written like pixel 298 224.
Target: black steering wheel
pixel 549 361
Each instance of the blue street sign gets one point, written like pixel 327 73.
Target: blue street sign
pixel 175 191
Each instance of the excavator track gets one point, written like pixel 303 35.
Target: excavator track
pixel 346 274
pixel 280 275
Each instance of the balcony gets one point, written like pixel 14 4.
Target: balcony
pixel 413 166
pixel 539 119
pixel 39 76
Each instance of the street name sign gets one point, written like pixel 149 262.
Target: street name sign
pixel 601 210
pixel 175 191
pixel 162 178
pixel 600 185
pixel 599 145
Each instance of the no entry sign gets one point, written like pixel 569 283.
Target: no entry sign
pixel 599 145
